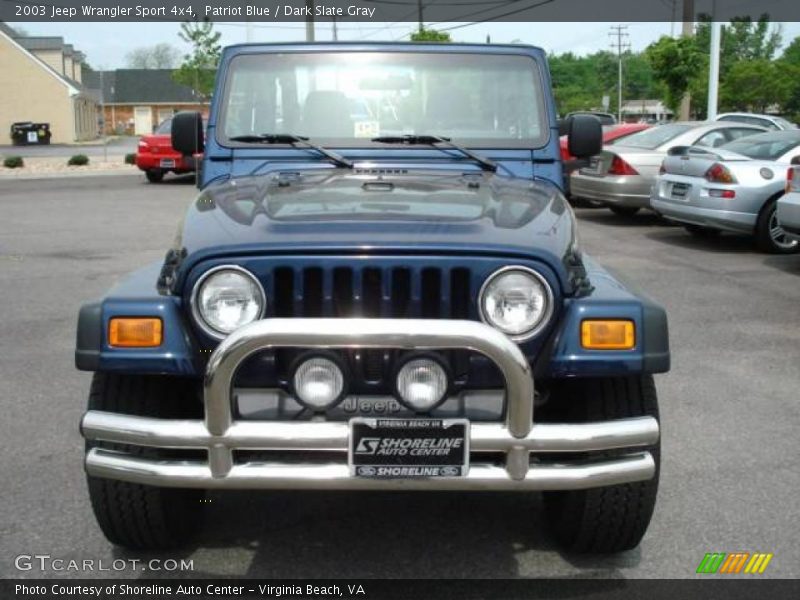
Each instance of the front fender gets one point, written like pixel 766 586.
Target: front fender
pixel 137 295
pixel 609 299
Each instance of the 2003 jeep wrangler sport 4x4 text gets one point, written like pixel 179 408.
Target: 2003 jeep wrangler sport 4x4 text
pixel 379 287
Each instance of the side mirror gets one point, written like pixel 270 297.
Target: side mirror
pixel 187 133
pixel 584 135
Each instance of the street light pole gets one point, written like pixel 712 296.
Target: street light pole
pixel 713 70
pixel 310 21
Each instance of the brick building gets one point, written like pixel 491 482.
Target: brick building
pixel 135 101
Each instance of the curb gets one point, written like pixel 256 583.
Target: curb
pixel 107 173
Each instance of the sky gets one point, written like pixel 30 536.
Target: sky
pixel 107 44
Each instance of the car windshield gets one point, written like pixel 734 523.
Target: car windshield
pixel 165 127
pixel 348 98
pixel 768 146
pixel 650 139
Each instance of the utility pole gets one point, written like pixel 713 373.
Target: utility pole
pixel 620 32
pixel 419 15
pixel 713 70
pixel 687 31
pixel 310 21
pixel 335 30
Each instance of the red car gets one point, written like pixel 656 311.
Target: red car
pixel 610 133
pixel 156 157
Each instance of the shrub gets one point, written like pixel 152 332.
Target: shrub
pixel 78 160
pixel 130 159
pixel 13 162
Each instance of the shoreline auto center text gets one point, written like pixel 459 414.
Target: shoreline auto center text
pixel 114 590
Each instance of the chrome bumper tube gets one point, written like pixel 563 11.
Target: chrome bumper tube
pixel 220 435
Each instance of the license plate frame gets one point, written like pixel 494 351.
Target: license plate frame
pixel 684 188
pixel 422 459
pixel 167 163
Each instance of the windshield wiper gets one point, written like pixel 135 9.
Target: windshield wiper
pixel 288 138
pixel 435 140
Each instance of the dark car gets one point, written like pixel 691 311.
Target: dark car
pixel 382 299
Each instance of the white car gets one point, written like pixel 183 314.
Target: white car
pixel 789 204
pixel 768 121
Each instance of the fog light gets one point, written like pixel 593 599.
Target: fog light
pixel 608 335
pixel 318 383
pixel 421 384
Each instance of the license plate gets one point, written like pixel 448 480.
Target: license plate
pixel 167 163
pixel 593 168
pixel 408 448
pixel 680 191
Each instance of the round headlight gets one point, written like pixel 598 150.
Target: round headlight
pixel 227 298
pixel 421 384
pixel 517 301
pixel 318 383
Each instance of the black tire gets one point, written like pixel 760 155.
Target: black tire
pixel 624 211
pixel 134 516
pixel 700 231
pixel 612 518
pixel 770 236
pixel 154 175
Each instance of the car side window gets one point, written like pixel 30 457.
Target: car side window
pixel 712 139
pixel 734 133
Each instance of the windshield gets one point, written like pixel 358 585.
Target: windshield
pixel 651 139
pixel 768 146
pixel 349 97
pixel 165 127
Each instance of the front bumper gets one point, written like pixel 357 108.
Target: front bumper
pixel 519 440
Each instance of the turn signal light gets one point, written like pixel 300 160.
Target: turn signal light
pixel 608 335
pixel 135 332
pixel 718 173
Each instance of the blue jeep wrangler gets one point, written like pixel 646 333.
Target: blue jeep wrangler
pixel 379 287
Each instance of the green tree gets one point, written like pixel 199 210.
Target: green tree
pixel 160 56
pixel 199 66
pixel 676 63
pixel 754 85
pixel 430 35
pixel 789 63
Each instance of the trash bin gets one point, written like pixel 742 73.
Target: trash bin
pixel 26 133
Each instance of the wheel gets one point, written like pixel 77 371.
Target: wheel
pixel 612 518
pixel 131 515
pixel 154 175
pixel 700 231
pixel 770 236
pixel 624 211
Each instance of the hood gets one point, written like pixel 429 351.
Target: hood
pixel 370 211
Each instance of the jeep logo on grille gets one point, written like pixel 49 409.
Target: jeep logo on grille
pixel 378 406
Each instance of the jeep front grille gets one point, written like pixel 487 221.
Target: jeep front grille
pixel 378 292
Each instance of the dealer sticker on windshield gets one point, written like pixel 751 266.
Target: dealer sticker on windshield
pixel 406 448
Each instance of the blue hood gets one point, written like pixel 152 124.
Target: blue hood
pixel 373 212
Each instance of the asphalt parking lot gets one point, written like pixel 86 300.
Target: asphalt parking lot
pixel 730 413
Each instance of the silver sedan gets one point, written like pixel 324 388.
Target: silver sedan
pixel 621 176
pixel 789 203
pixel 732 188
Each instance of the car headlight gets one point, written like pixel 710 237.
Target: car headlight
pixel 318 383
pixel 517 301
pixel 226 298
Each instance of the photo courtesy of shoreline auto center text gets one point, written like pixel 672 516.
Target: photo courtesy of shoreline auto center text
pixel 399 299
